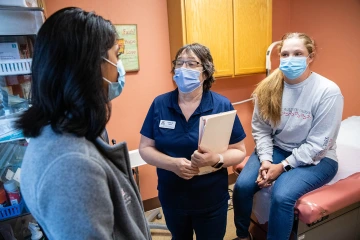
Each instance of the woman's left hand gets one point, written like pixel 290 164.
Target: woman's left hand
pixel 204 158
pixel 273 172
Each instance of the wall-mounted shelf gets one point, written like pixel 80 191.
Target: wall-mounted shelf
pixel 18 29
pixel 20 20
pixel 16 8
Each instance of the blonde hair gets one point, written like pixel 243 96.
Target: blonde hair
pixel 269 91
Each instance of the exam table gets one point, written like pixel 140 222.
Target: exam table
pixel 331 212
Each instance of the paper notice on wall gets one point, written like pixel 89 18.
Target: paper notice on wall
pixel 9 51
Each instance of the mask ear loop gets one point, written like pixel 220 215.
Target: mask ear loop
pixel 110 62
pixel 311 57
pixel 202 83
pixel 106 80
pixel 202 73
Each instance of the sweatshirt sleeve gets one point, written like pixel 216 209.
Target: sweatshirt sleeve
pixel 262 134
pixel 80 196
pixel 325 128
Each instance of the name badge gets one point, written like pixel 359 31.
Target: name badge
pixel 167 124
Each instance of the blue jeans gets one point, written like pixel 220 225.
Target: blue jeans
pixel 207 225
pixel 287 189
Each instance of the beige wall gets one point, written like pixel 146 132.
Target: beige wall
pixel 335 27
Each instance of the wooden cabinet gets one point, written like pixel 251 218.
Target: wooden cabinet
pixel 252 35
pixel 210 22
pixel 237 32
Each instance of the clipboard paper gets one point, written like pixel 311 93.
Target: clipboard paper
pixel 214 134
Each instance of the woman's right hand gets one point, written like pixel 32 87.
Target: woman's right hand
pixel 262 178
pixel 184 169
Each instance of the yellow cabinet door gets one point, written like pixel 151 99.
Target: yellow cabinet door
pixel 252 35
pixel 208 22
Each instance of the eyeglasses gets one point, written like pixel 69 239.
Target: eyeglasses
pixel 189 63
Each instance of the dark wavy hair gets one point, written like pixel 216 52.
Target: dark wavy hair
pixel 67 88
pixel 203 53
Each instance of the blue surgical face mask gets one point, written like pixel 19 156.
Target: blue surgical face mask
pixel 186 79
pixel 115 88
pixel 293 67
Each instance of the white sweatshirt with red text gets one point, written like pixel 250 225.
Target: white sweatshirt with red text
pixel 310 122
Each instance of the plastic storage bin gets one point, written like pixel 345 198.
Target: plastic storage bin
pixel 15 67
pixel 11 211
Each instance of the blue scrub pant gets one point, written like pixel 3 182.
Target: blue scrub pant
pixel 287 189
pixel 207 225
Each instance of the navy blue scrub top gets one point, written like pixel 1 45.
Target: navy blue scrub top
pixel 201 193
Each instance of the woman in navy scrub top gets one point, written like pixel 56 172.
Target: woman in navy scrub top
pixel 169 141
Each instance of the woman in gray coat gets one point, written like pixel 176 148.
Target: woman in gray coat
pixel 75 184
